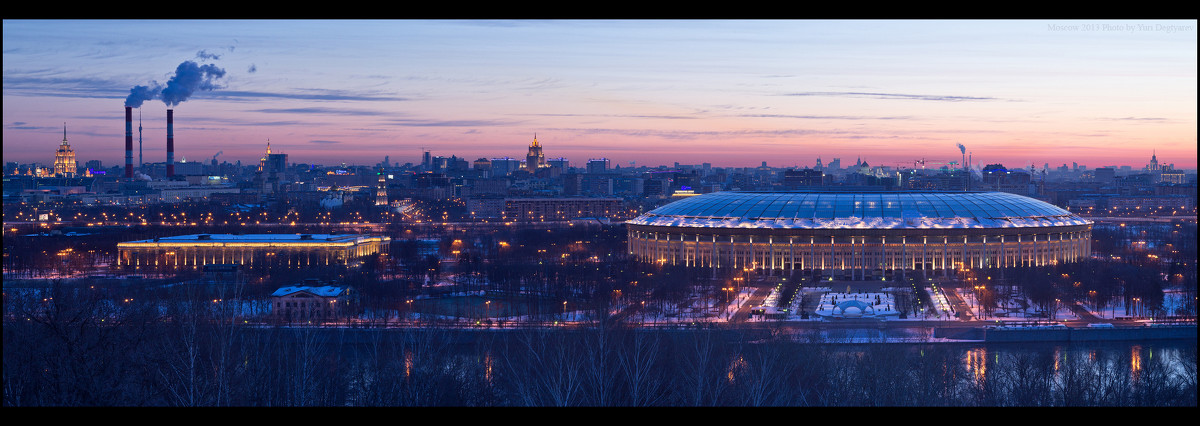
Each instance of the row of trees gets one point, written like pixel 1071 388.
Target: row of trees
pixel 1094 282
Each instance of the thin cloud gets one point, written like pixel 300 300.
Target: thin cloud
pixel 667 117
pixel 22 126
pixel 452 123
pixel 32 84
pixel 827 117
pixel 907 96
pixel 317 95
pixel 270 123
pixel 321 110
pixel 689 135
pixel 1154 119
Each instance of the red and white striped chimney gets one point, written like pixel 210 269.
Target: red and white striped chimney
pixel 170 142
pixel 128 142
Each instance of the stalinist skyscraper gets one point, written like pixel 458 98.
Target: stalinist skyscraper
pixel 64 159
pixel 535 159
pixel 381 190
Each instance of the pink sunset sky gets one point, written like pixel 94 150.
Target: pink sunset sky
pixel 727 92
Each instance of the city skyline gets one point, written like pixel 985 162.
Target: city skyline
pixel 730 93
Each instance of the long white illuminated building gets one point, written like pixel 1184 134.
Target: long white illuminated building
pixel 250 250
pixel 859 235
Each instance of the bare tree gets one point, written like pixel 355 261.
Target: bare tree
pixel 545 368
pixel 599 363
pixel 639 364
pixel 698 374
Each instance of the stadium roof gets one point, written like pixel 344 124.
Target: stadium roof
pixel 858 210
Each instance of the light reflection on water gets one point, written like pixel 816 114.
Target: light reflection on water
pixel 487 366
pixel 960 374
pixel 1135 360
pixel 1126 358
pixel 408 363
pixel 976 363
pixel 981 361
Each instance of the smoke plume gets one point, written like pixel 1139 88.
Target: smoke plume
pixel 962 148
pixel 203 54
pixel 190 77
pixel 139 94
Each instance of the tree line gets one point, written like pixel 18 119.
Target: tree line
pixel 84 346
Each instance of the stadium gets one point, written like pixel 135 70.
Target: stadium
pixel 858 235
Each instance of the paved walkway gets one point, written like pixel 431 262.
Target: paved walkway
pixel 1083 313
pixel 756 299
pixel 960 306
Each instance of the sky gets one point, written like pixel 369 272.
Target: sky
pixel 733 93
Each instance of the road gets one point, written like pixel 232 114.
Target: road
pixel 756 299
pixel 960 306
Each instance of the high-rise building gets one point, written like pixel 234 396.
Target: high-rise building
pixel 272 162
pixel 793 179
pixel 597 165
pixel 1169 174
pixel 572 184
pixel 381 191
pixel 834 165
pixel 559 162
pixel 504 166
pixel 559 209
pixel 272 165
pixel 439 164
pixel 535 159
pixel 482 164
pixel 64 159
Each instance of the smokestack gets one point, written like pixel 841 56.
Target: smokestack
pixel 140 163
pixel 170 142
pixel 128 142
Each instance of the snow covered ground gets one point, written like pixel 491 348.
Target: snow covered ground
pixel 1012 311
